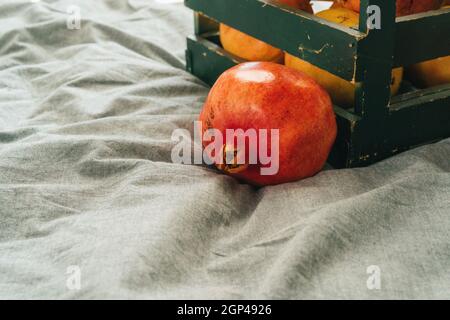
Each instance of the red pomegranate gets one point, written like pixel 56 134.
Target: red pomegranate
pixel 267 97
pixel 298 4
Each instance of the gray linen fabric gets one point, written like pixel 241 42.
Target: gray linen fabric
pixel 87 182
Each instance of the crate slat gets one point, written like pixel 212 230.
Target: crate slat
pixel 207 60
pixel 421 37
pixel 325 44
pixel 419 117
pixel 203 24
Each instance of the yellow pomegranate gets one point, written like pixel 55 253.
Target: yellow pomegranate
pixel 252 49
pixel 247 47
pixel 432 72
pixel 341 91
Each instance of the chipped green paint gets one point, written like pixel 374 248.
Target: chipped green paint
pixel 422 37
pixel 326 44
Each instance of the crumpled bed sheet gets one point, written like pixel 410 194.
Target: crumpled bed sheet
pixel 91 205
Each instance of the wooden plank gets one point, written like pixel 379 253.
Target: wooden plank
pixel 203 24
pixel 422 37
pixel 374 67
pixel 374 61
pixel 411 98
pixel 342 155
pixel 207 60
pixel 419 117
pixel 415 119
pixel 329 46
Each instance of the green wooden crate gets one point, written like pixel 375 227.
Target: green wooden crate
pixel 379 125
